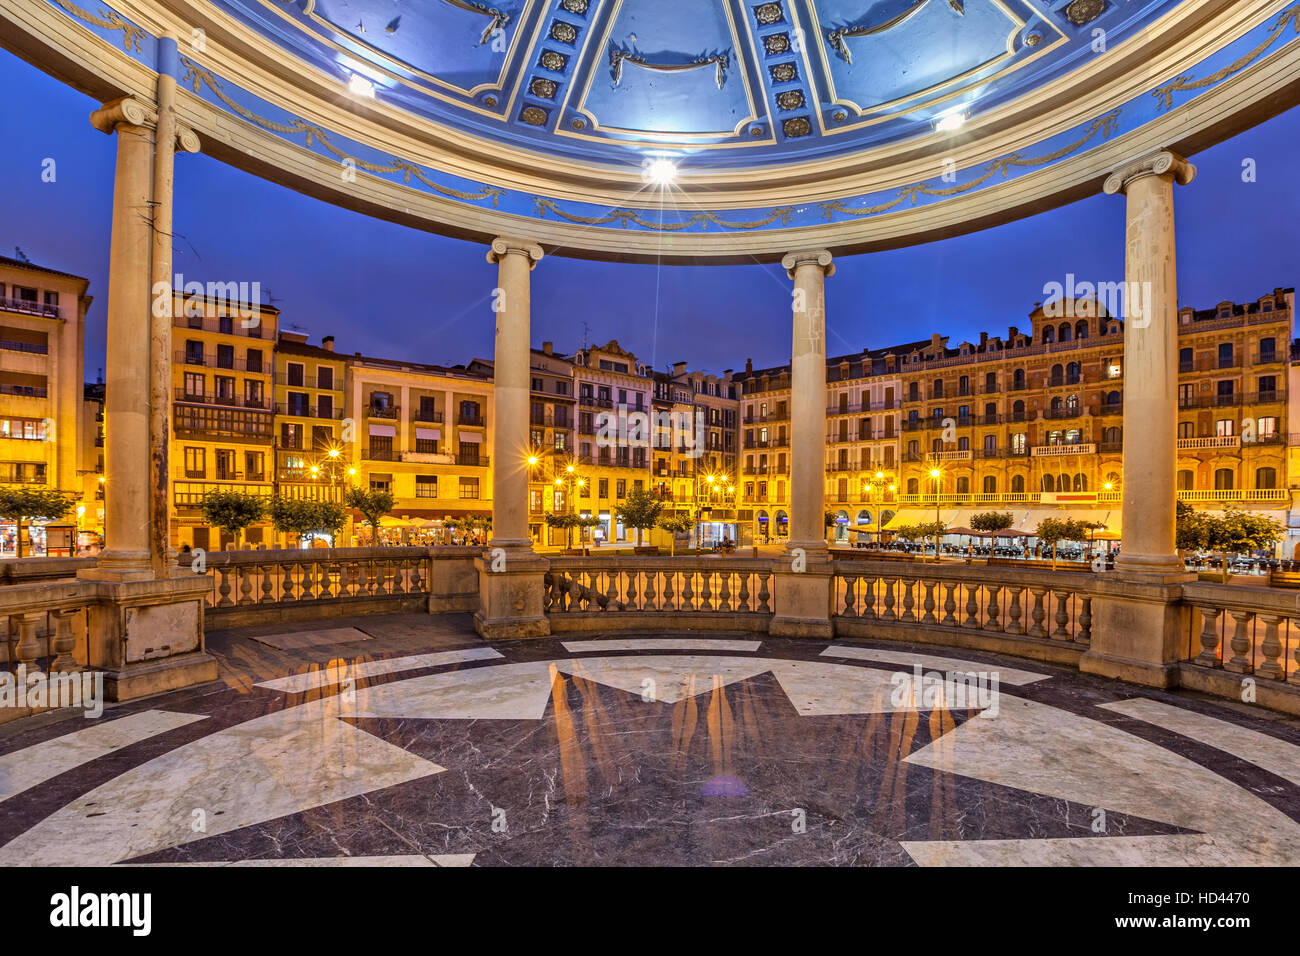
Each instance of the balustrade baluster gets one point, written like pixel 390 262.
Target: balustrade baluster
pixel 724 590
pixel 928 617
pixel 908 603
pixel 706 591
pixel 991 622
pixel 631 589
pixel 287 589
pixel 869 599
pixel 245 585
pixel 1085 621
pixel 950 606
pixel 763 593
pixel 268 584
pixel 223 575
pixel 972 608
pixel 669 578
pixel 1240 663
pixel 1271 648
pixel 26 649
pixel 742 599
pixel 650 604
pixel 611 589
pixel 308 581
pixel 850 585
pixel 1062 632
pixel 687 594
pixel 1210 655
pixel 63 641
pixel 1013 612
pixel 1038 614
pixel 887 612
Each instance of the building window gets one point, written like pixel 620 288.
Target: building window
pixel 1018 485
pixel 913 486
pixel 1266 429
pixel 254 363
pixel 196 463
pixel 1225 355
pixel 193 352
pixel 325 377
pixel 1019 443
pixel 194 384
pixel 963 486
pixel 426 486
pixel 225 325
pixel 1266 478
pixel 254 469
pixel 1225 427
pixel 325 406
pixel 1186 480
pixel 426 446
pixel 322 437
pixel 1223 479
pixel 225 356
pixel 224 388
pixel 226 465
pixel 468 489
pixel 380 482
pixel 290 436
pixel 293 374
pixel 990 485
pixel 253 393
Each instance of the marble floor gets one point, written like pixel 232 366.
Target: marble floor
pixel 405 740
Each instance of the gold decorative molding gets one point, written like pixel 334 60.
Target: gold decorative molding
pixel 542 205
pixel 1165 94
pixel 617 57
pixel 197 78
pixel 499 20
pixel 109 20
pixel 1102 124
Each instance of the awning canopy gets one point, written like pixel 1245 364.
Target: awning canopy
pixel 384 430
pixel 472 437
pixel 428 434
pixel 918 515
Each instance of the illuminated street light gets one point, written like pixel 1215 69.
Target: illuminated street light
pixel 333 452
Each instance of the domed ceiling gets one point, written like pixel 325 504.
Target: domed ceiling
pixel 711 82
pixel 790 124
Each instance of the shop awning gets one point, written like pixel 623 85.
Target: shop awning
pixel 918 515
pixel 383 430
pixel 428 434
pixel 472 437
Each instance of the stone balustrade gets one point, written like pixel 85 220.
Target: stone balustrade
pixel 1242 640
pixel 1035 613
pixel 705 592
pixel 45 631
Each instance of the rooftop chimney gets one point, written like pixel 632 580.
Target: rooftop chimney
pixel 749 365
pixel 548 348
pixel 327 343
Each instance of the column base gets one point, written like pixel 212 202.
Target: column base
pixel 160 676
pixel 803 599
pixel 512 598
pixel 1139 627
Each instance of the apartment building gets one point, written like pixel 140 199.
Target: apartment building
pixel 765 451
pixel 222 415
pixel 311 457
pixel 90 471
pixel 614 402
pixel 423 432
pixel 42 340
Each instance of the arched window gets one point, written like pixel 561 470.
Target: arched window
pixel 963 443
pixel 1073 437
pixel 1112 436
pixel 1080 482
pixel 1063 335
pixel 1058 375
pixel 1063 483
pixel 990 485
pixel 1072 374
pixel 1018 378
pixel 1072 405
pixel 990 412
pixel 1223 479
pixel 1113 398
pixel 1054 438
pixel 1081 329
pixel 1056 405
pixel 991 382
pixel 1266 478
pixel 1049 483
pixel 912 485
pixel 936 445
pixel 1018 443
pixel 963 486
pixel 1049 335
pixel 1186 480
pixel 1018 411
pixel 1018 485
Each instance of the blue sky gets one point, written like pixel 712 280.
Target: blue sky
pixel 386 290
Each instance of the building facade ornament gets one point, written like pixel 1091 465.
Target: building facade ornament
pixel 507 245
pixel 820 257
pixel 125 110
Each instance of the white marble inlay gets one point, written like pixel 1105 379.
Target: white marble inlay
pixel 817 688
pixel 503 692
pixel 661 644
pixel 265 768
pixel 1274 755
pixel 23 769
pixel 1100 850
pixel 674 677
pixel 298 640
pixel 338 671
pixel 1046 750
pixel 932 662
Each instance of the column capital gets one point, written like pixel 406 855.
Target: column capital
pixel 503 246
pixel 819 257
pixel 1163 162
pixel 126 110
pixel 187 141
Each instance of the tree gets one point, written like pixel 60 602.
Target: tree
pixel 22 505
pixel 921 531
pixel 990 521
pixel 307 518
pixel 372 504
pixel 675 523
pixel 828 522
pixel 640 510
pixel 1055 530
pixel 232 511
pixel 1233 532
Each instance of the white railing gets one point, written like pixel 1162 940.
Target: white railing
pixel 1219 441
pixel 1056 451
pixel 728 587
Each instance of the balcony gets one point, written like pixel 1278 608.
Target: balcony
pixel 473 461
pixel 1267 358
pixel 31 348
pixel 428 458
pixel 308 411
pixel 471 421
pixel 592 401
pixel 29 307
pixel 1111 408
pixel 1061 451
pixel 228 401
pixel 1265 398
pixel 962 455
pixel 389 412
pixel 209 360
pixel 25 391
pixel 1111 447
pixel 379 454
pixel 1216 441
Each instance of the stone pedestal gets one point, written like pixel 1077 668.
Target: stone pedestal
pixel 147 635
pixel 803 597
pixel 1139 629
pixel 512 598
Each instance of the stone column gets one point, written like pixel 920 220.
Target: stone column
pixel 511 576
pixel 808 399
pixel 515 259
pixel 1150 361
pixel 170 136
pixel 803 575
pixel 1139 619
pixel 127 369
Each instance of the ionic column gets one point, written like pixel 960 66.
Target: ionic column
pixel 127 368
pixel 170 136
pixel 808 398
pixel 1150 360
pixel 515 259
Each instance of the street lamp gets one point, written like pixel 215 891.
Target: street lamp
pixel 937 475
pixel 876 493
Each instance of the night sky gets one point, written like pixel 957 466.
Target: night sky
pixel 389 291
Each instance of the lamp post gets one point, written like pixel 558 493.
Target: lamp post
pixel 876 488
pixel 937 475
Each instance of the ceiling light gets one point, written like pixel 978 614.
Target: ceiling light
pixel 659 172
pixel 360 86
pixel 951 123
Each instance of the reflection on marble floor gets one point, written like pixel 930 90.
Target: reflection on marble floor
pixel 642 750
